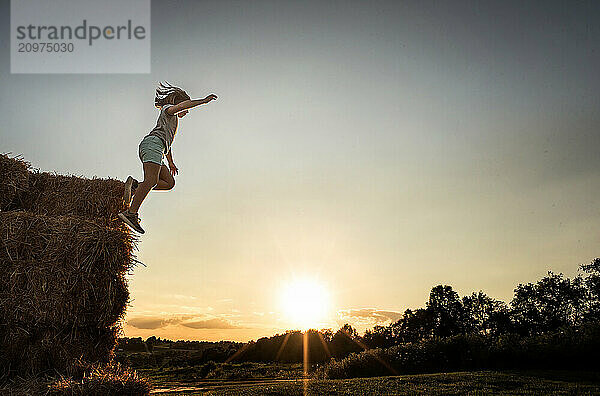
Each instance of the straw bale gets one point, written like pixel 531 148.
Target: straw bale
pixel 64 256
pixel 59 270
pixel 32 351
pixel 24 386
pixel 60 195
pixel 14 174
pixel 57 195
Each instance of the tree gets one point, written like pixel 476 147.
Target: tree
pixel 447 311
pixel 345 341
pixel 150 342
pixel 592 285
pixel 500 321
pixel 379 337
pixel 480 313
pixel 327 334
pixel 553 302
pixel 413 326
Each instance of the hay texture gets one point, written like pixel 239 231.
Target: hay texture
pixel 59 270
pixel 70 352
pixel 15 179
pixel 57 195
pixel 63 290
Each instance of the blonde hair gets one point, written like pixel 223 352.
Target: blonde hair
pixel 169 94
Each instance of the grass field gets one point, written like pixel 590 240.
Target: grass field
pixel 459 383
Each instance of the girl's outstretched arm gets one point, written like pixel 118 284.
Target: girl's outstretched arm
pixel 188 104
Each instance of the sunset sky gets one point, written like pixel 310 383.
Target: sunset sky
pixel 366 150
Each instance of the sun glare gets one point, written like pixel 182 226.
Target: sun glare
pixel 305 303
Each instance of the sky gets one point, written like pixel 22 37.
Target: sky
pixel 369 150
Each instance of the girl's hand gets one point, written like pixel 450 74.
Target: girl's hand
pixel 173 169
pixel 210 97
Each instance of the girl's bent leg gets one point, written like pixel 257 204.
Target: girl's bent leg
pixel 151 172
pixel 166 181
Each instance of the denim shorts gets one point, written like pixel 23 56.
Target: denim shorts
pixel 152 149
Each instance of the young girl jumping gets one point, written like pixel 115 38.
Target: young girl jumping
pixel 173 102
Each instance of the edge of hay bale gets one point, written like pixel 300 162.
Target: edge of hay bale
pixel 70 195
pixel 15 179
pixel 25 188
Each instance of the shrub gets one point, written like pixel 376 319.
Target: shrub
pixel 567 348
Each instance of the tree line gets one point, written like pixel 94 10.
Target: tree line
pixel 552 303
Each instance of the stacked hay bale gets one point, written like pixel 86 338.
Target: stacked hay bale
pixel 57 195
pixel 63 260
pixel 15 180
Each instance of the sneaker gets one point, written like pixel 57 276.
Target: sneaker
pixel 132 220
pixel 130 186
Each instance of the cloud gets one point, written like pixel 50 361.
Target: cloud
pixel 151 323
pixel 215 323
pixel 190 321
pixel 370 315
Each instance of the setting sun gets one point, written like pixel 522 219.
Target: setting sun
pixel 305 303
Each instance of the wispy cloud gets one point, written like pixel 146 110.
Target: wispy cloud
pixel 215 323
pixel 369 315
pixel 151 323
pixel 189 321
